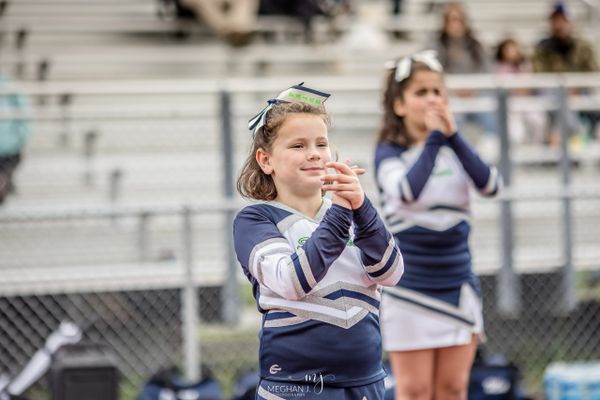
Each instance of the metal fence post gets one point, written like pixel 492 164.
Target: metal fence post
pixel 189 303
pixel 20 40
pixel 65 120
pixel 143 236
pixel 230 293
pixel 568 274
pixel 115 178
pixel 507 284
pixel 89 152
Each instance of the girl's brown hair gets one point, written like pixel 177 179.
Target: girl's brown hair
pixel 253 183
pixel 474 47
pixel 393 129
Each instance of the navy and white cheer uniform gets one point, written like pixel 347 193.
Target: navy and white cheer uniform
pixel 317 283
pixel 426 203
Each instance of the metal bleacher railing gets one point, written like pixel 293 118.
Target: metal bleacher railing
pixel 157 287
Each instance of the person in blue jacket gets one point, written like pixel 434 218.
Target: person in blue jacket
pixel 14 131
pixel 315 263
pixel 432 319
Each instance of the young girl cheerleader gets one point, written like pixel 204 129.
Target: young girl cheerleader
pixel 432 318
pixel 315 264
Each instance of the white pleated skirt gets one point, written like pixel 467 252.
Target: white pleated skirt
pixel 413 321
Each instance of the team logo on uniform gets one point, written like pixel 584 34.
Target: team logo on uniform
pixel 442 172
pixel 275 368
pixel 301 242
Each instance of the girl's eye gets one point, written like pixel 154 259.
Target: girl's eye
pixel 323 145
pixel 421 92
pixel 297 146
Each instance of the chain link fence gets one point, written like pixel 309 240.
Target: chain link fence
pixel 134 303
pixel 122 262
pixel 542 334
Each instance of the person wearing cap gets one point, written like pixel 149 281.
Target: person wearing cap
pixel 562 51
pixel 316 264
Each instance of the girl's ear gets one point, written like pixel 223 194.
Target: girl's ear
pixel 399 108
pixel 264 161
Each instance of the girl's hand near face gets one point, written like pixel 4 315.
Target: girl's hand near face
pixel 440 118
pixel 344 185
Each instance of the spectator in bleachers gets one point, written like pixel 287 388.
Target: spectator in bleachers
pixel 524 126
pixel 460 52
pixel 235 20
pixel 305 11
pixel 563 51
pixel 13 136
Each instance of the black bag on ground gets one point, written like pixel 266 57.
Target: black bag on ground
pixel 168 384
pixel 493 379
pixel 245 386
pixel 84 371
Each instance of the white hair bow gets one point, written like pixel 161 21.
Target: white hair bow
pixel 404 65
pixel 295 94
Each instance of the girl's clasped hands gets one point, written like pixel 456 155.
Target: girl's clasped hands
pixel 344 184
